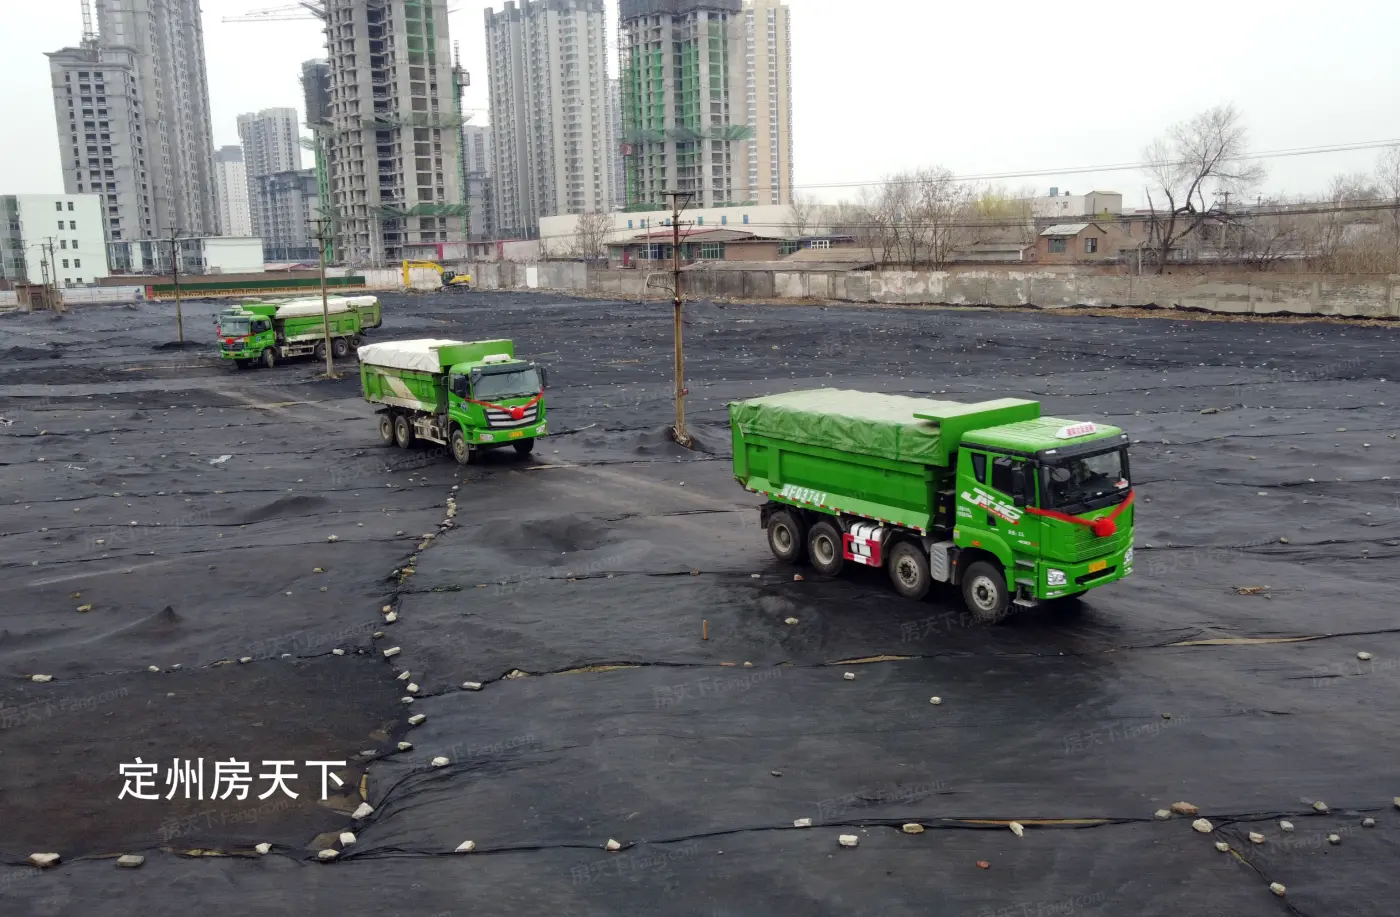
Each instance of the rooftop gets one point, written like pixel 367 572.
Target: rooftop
pixel 1066 229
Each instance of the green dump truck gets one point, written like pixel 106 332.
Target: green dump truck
pixel 264 332
pixel 1011 507
pixel 467 395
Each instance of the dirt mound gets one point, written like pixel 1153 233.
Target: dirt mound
pixel 26 354
pixel 285 506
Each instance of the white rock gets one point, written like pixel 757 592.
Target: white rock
pixel 466 846
pixel 1286 826
pixel 613 845
pixel 1320 806
pixel 405 746
pixel 412 688
pixel 337 652
pixel 1203 825
pixel 153 668
pixel 1162 814
pixel 802 823
pixel 391 617
pixel 416 719
pixel 1277 888
pixel 328 854
pixel 392 651
pixel 440 761
pixel 913 828
pixel 263 848
pixel 1016 828
pixel 41 679
pixel 404 675
pixel 43 860
pixel 471 686
pixel 1334 838
pixel 1368 822
pixel 848 840
pixel 849 676
pixel 365 810
pixel 333 538
pixel 347 838
pixel 130 860
pixel 789 620
pixel 935 701
pixel 406 700
pixel 1363 656
pixel 1222 846
pixel 1256 838
pixel 1185 808
pixel 246 659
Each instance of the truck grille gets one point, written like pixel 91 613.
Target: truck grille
pixel 501 420
pixel 1085 545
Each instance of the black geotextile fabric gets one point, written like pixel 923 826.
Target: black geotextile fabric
pixel 1224 673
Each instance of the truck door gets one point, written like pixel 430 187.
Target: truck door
pixel 1012 488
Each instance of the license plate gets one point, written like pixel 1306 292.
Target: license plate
pixel 517 434
pixel 1098 565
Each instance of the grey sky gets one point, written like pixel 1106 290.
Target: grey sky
pixel 883 85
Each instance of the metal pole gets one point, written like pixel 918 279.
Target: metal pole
pixel 325 303
pixel 175 272
pixel 681 436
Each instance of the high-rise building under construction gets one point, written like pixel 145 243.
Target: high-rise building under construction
pixel 392 135
pixel 132 106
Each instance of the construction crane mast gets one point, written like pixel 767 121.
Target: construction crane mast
pixel 89 31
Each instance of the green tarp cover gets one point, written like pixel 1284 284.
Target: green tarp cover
pixel 870 424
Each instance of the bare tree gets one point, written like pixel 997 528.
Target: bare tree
pixel 1187 167
pixel 802 215
pixel 1388 188
pixel 591 236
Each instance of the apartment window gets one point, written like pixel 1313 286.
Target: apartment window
pixel 70 205
pixel 629 224
pixel 71 225
pixel 1057 246
pixel 724 221
pixel 788 246
pixel 746 219
pixel 60 225
pixel 65 262
pixel 78 262
pixel 1091 246
pixel 58 205
pixel 62 243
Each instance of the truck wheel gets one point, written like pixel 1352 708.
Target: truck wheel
pixel 909 570
pixel 320 352
pixel 403 432
pixel 984 592
pixel 824 548
pixel 269 359
pixel 340 347
pixel 787 537
pixel 386 429
pixel 462 450
pixel 524 446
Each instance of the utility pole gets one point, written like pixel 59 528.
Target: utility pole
pixel 175 273
pixel 322 237
pixel 678 432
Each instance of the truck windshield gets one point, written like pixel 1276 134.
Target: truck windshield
pixel 1086 479
pixel 506 384
pixel 233 327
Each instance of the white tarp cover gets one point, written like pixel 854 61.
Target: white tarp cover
pixel 420 355
pixel 303 308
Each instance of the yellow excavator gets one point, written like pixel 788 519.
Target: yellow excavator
pixel 450 281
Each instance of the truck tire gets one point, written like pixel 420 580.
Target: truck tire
pixel 462 450
pixel 524 446
pixel 320 352
pixel 909 571
pixel 985 594
pixel 787 536
pixel 824 548
pixel 269 359
pixel 403 432
pixel 340 347
pixel 386 429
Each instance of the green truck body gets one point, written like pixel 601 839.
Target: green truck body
pixel 1012 507
pixel 264 332
pixel 468 395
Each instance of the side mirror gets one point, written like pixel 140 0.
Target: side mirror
pixel 1020 488
pixel 544 377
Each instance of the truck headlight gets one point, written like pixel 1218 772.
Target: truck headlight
pixel 1128 558
pixel 1056 578
pixel 485 437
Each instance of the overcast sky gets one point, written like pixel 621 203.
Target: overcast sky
pixel 882 85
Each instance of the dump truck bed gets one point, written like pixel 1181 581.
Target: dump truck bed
pixel 882 457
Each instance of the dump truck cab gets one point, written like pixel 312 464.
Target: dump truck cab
pixel 1049 499
pixel 497 399
pixel 264 332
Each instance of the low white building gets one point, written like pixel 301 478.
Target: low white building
pixel 206 255
pixel 558 233
pixel 53 237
